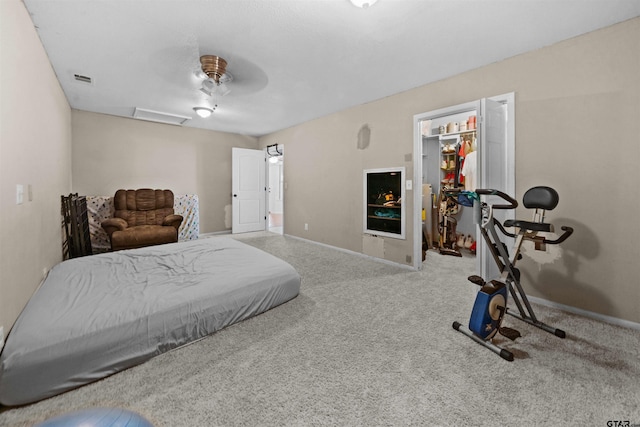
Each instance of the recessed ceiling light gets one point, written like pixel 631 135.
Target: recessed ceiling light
pixel 363 3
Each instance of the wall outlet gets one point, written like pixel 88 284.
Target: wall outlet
pixel 306 227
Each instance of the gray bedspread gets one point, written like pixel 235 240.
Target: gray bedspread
pixel 97 315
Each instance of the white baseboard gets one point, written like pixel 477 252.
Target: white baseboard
pixel 586 313
pixel 384 261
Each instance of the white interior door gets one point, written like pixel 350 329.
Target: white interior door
pixel 494 158
pixel 248 190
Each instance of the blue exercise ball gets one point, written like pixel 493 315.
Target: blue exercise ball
pixel 98 417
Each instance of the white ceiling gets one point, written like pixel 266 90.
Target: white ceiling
pixel 291 60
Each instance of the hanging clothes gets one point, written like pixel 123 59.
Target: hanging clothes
pixel 469 170
pixel 461 157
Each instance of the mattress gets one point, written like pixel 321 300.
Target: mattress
pixel 97 315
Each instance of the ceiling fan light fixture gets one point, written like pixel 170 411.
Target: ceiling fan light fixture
pixel 200 74
pixel 203 112
pixel 223 89
pixel 363 4
pixel 209 86
pixel 213 66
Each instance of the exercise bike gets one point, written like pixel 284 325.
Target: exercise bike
pixel 491 301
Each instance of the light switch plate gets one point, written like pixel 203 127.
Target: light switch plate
pixel 19 194
pixel 409 184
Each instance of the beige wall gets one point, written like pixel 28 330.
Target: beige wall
pixel 323 174
pixel 577 109
pixel 113 152
pixel 35 149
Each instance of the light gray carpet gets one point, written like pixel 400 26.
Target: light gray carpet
pixel 365 344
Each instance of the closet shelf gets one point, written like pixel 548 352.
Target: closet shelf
pixel 385 206
pixel 462 132
pixel 386 218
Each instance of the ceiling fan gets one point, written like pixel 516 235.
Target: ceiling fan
pixel 214 71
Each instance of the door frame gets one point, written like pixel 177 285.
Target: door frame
pixel 507 99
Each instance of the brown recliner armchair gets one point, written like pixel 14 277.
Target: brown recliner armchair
pixel 142 217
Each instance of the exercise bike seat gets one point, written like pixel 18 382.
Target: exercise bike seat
pixel 528 225
pixel 540 197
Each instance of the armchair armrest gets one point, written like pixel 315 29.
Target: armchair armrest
pixel 111 225
pixel 173 220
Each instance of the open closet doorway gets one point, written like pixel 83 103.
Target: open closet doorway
pixel 481 133
pixel 275 187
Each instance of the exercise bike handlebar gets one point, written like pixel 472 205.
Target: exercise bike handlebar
pixel 568 231
pixel 513 203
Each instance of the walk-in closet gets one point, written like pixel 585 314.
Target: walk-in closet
pixel 449 161
pixel 462 147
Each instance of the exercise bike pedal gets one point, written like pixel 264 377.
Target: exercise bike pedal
pixel 510 333
pixel 476 280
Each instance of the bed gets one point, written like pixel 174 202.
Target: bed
pixel 98 315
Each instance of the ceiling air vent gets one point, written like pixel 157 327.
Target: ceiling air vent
pixel 159 117
pixel 83 79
